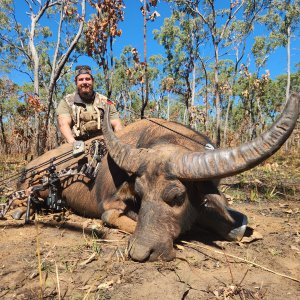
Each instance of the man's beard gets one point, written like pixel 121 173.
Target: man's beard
pixel 86 96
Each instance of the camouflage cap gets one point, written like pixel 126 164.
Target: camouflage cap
pixel 83 70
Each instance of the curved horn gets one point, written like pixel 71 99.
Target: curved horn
pixel 221 163
pixel 125 156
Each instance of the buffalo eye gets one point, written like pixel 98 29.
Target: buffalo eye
pixel 173 195
pixel 178 200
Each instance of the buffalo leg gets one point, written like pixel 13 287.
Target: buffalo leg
pixel 19 213
pixel 116 218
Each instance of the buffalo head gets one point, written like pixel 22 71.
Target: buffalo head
pixel 176 183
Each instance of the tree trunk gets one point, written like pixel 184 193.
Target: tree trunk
pixel 226 120
pixel 3 135
pixel 288 85
pixel 146 84
pixel 193 85
pixel 35 59
pixel 168 108
pixel 217 98
pixel 205 95
pixel 57 67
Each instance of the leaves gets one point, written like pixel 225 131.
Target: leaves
pixel 103 25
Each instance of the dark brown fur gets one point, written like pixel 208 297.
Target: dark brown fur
pixel 166 190
pixel 169 206
pixel 166 206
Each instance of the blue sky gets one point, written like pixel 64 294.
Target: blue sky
pixel 132 29
pixel 132 35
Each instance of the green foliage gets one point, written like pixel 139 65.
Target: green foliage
pixel 46 32
pixel 259 49
pixel 181 36
pixel 281 82
pixel 8 98
pixel 205 51
pixel 4 13
pixel 280 16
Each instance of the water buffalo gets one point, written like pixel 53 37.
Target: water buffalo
pixel 160 178
pixel 174 179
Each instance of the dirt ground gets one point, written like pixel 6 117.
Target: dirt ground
pixel 81 259
pixel 78 258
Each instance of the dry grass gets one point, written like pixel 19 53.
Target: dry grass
pixel 276 178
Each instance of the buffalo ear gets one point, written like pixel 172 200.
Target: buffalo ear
pixel 125 191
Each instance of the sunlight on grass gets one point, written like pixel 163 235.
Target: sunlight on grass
pixel 276 178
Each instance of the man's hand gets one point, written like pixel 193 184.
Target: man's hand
pixel 116 125
pixel 78 148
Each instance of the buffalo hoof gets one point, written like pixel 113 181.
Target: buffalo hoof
pixel 17 215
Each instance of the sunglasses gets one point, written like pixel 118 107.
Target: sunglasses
pixel 84 67
pixel 83 70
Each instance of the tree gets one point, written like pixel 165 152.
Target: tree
pixel 147 16
pixel 8 105
pixel 181 37
pixel 41 53
pixel 226 30
pixel 128 81
pixel 256 102
pixel 100 34
pixel 282 20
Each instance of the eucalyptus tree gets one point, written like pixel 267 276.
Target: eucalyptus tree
pixel 39 45
pixel 227 26
pixel 282 19
pixel 8 106
pixel 181 36
pixel 101 32
pixel 258 101
pixel 128 78
pixel 253 117
pixel 148 15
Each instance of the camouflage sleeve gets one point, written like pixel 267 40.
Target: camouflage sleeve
pixel 102 101
pixel 113 112
pixel 63 109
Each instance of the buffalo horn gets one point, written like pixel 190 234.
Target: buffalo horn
pixel 125 156
pixel 221 163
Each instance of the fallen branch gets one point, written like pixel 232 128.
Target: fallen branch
pixel 242 259
pixel 109 241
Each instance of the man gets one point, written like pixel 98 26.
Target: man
pixel 79 119
pixel 79 113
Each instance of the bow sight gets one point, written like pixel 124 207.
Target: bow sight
pixel 49 179
pixel 53 201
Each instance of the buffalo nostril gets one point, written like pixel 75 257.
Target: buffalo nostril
pixel 165 255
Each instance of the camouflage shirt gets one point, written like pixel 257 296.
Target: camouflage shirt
pixel 86 117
